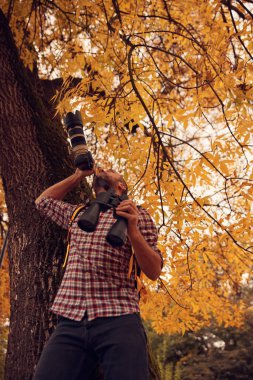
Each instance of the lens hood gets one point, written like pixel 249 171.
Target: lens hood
pixel 72 119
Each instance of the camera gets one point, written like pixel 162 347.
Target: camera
pixel 82 156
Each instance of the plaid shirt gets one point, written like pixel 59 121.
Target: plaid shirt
pixel 96 276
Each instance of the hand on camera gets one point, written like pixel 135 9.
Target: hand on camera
pixel 84 173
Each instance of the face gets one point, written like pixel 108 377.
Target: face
pixel 106 179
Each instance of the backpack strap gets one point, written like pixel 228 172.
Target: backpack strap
pixel 138 274
pixel 76 211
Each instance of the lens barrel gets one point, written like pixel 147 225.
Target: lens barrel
pixel 74 124
pixel 72 119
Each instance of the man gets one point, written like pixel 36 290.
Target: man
pixel 97 303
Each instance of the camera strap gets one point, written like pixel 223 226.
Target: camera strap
pixel 76 211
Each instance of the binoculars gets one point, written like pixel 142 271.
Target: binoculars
pixel 74 124
pixel 117 234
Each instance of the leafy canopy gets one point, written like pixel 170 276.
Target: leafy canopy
pixel 165 89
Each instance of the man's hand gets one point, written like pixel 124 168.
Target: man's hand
pixel 148 260
pixel 80 174
pixel 129 211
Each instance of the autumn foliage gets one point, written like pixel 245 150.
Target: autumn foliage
pixel 4 287
pixel 4 277
pixel 165 90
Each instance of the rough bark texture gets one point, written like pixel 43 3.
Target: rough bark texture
pixel 33 155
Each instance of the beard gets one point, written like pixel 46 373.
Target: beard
pixel 101 181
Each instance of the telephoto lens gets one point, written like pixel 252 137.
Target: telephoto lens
pixel 74 124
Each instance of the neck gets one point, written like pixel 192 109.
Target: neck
pixel 102 189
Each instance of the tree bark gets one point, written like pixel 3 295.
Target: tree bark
pixel 33 155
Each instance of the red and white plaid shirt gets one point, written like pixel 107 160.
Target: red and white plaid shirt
pixel 96 276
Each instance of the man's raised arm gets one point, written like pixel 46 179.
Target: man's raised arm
pixel 60 189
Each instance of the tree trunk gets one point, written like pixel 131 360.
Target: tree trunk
pixel 33 155
pixel 173 370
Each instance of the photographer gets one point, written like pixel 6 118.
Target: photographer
pixel 97 303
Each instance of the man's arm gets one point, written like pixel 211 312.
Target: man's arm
pixel 60 189
pixel 148 260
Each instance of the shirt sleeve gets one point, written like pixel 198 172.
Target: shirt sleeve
pixel 58 211
pixel 149 231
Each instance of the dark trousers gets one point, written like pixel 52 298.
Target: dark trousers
pixel 75 348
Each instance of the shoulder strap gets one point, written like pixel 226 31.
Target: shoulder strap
pixel 134 267
pixel 76 211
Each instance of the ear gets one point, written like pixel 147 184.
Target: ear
pixel 121 186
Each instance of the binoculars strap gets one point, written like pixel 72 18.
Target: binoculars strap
pixel 76 211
